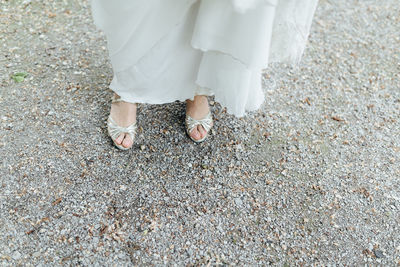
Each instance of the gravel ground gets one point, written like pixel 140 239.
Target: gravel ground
pixel 311 179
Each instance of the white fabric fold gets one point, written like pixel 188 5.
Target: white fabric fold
pixel 292 23
pixel 242 6
pixel 168 50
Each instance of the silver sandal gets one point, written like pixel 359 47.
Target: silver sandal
pixel 114 130
pixel 206 122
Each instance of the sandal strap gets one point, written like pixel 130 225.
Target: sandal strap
pixel 115 130
pixel 206 122
pixel 116 100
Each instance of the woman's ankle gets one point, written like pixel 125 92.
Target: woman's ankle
pixel 197 108
pixel 123 113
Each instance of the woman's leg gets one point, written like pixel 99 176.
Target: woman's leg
pixel 197 109
pixel 124 114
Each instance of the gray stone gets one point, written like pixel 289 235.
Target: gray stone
pixel 16 255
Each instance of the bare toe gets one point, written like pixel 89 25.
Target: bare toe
pixel 120 139
pixel 202 131
pixel 195 134
pixel 127 141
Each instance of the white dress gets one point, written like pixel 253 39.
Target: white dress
pixel 167 50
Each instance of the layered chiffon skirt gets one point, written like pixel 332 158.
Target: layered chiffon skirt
pixel 167 50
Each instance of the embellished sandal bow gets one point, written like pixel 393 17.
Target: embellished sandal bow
pixel 206 123
pixel 114 130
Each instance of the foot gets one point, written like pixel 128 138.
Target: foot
pixel 198 109
pixel 124 114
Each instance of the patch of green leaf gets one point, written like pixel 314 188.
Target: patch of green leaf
pixel 19 76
